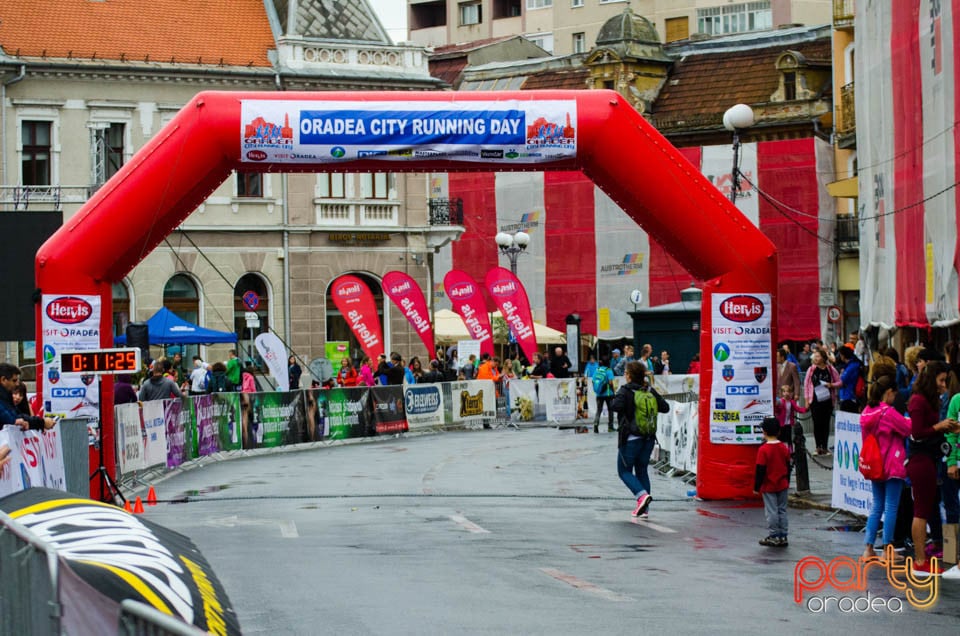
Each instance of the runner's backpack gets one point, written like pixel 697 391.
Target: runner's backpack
pixel 600 380
pixel 645 412
pixel 871 459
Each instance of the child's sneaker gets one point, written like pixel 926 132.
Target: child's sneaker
pixel 643 502
pixel 927 568
pixel 770 541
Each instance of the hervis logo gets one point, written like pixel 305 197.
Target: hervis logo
pixel 349 291
pixel 503 288
pixel 400 288
pixel 741 308
pixel 69 310
pixel 462 290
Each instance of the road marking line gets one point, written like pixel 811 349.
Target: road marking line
pixel 585 586
pixel 468 525
pixel 640 522
pixel 288 530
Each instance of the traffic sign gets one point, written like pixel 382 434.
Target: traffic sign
pixel 251 300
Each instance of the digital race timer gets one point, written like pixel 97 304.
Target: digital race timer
pixel 100 361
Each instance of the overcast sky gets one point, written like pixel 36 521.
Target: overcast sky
pixel 393 15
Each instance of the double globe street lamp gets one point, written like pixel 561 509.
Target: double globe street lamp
pixel 512 245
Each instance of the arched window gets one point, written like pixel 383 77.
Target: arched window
pixel 180 295
pixel 251 314
pixel 337 328
pixel 121 308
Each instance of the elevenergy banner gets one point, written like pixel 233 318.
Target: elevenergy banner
pixel 69 323
pixel 501 132
pixel 741 392
pixel 851 490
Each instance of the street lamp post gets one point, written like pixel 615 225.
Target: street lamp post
pixel 512 245
pixel 736 119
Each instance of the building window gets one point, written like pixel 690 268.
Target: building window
pixel 244 323
pixel 543 40
pixel 576 3
pixel 121 308
pixel 735 18
pixel 539 4
pixel 579 43
pixel 789 86
pixel 181 296
pixel 677 29
pixel 35 167
pixel 249 184
pixel 375 185
pixel 107 140
pixel 331 185
pixel 470 13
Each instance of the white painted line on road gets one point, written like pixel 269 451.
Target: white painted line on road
pixel 468 525
pixel 642 522
pixel 585 586
pixel 288 530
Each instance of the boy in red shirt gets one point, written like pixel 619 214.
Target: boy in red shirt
pixel 772 481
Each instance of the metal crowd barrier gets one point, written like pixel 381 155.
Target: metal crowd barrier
pixel 30 591
pixel 29 603
pixel 138 619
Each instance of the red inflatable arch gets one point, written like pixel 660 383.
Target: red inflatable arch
pixel 603 135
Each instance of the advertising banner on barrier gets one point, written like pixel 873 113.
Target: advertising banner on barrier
pixel 468 301
pixel 851 490
pixel 274 354
pixel 424 405
pixel 473 401
pixel 385 410
pixel 131 446
pixel 407 295
pixel 355 301
pixel 741 392
pixel 316 413
pixel 499 132
pixel 69 323
pixel 559 397
pixel 678 434
pixel 180 426
pixel 510 296
pixel 347 414
pixel 524 402
pixel 155 440
pixel 280 416
pixel 36 459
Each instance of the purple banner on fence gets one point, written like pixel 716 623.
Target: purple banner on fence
pixel 177 447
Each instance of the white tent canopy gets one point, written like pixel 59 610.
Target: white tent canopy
pixel 448 327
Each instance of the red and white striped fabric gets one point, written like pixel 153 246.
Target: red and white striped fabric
pixel 586 255
pixel 908 108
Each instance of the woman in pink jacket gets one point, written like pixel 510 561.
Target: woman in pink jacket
pixel 820 389
pixel 891 429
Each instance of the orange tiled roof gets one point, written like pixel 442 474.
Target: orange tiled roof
pixel 702 87
pixel 234 31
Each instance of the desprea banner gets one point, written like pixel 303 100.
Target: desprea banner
pixel 108 555
pixel 511 297
pixel 407 295
pixel 467 300
pixel 355 301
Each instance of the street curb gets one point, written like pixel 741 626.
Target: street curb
pixel 796 501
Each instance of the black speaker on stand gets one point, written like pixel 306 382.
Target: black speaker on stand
pixel 138 336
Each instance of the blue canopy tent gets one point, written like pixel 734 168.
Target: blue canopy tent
pixel 166 328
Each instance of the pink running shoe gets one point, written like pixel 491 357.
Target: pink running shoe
pixel 643 502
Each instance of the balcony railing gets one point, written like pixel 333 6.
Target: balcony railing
pixel 41 198
pixel 848 233
pixel 446 211
pixel 843 12
pixel 848 110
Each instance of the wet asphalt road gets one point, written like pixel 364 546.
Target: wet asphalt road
pixel 503 532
